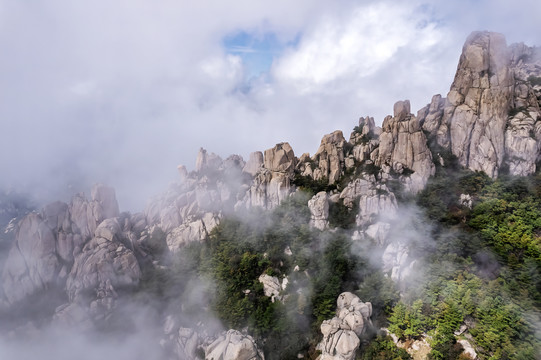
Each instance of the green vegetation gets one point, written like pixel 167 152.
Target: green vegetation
pixel 238 251
pixel 534 80
pixel 383 348
pixel 484 268
pixel 312 186
pixel 480 273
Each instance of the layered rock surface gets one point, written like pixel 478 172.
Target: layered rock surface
pixel 47 242
pixel 490 118
pixel 403 146
pixel 319 210
pixel 341 333
pixel 233 345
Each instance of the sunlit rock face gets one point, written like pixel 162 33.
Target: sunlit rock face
pixel 329 158
pixel 490 119
pixel 479 101
pixel 319 210
pixel 403 146
pixel 341 333
pixel 272 180
pixel 189 210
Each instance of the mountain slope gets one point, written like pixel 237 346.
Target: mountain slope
pixel 424 219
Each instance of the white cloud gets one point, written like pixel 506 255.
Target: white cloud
pixel 356 46
pixel 122 92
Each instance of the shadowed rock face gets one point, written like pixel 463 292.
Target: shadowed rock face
pixel 104 263
pixel 233 345
pixel 46 243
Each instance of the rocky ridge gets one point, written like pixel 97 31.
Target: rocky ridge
pixel 90 252
pixel 490 119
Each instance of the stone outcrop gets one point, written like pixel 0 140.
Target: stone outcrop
pixel 104 263
pixel 490 119
pixel 329 158
pixel 233 345
pixel 523 133
pixel 87 215
pixel 181 341
pixel 189 210
pixel 403 146
pixel 254 163
pixel 271 286
pixel 373 199
pixel 272 183
pixel 33 264
pixel 341 333
pixel 378 232
pixel 319 210
pixel 480 98
pixel 47 242
pixel 396 260
pixel 365 140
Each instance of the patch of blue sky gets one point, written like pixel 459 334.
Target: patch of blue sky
pixel 256 50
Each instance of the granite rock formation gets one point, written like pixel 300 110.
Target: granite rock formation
pixel 490 119
pixel 341 333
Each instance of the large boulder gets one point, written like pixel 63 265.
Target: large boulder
pixel 181 341
pixel 403 146
pixel 373 198
pixel 104 262
pixel 271 286
pixel 319 210
pixel 196 230
pixel 254 163
pixel 32 264
pixel 329 158
pixel 233 345
pixel 280 158
pixel 490 119
pixel 341 333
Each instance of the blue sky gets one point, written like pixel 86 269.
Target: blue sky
pixel 123 92
pixel 256 50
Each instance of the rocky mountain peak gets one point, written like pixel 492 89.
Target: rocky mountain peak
pixel 89 251
pixel 280 158
pixel 490 119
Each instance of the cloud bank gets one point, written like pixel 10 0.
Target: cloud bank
pixel 122 92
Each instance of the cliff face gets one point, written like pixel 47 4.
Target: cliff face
pixel 490 119
pixel 87 250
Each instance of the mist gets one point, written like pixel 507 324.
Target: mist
pixel 123 93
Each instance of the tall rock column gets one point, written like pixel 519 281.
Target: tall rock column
pixel 479 101
pixel 329 158
pixel 403 146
